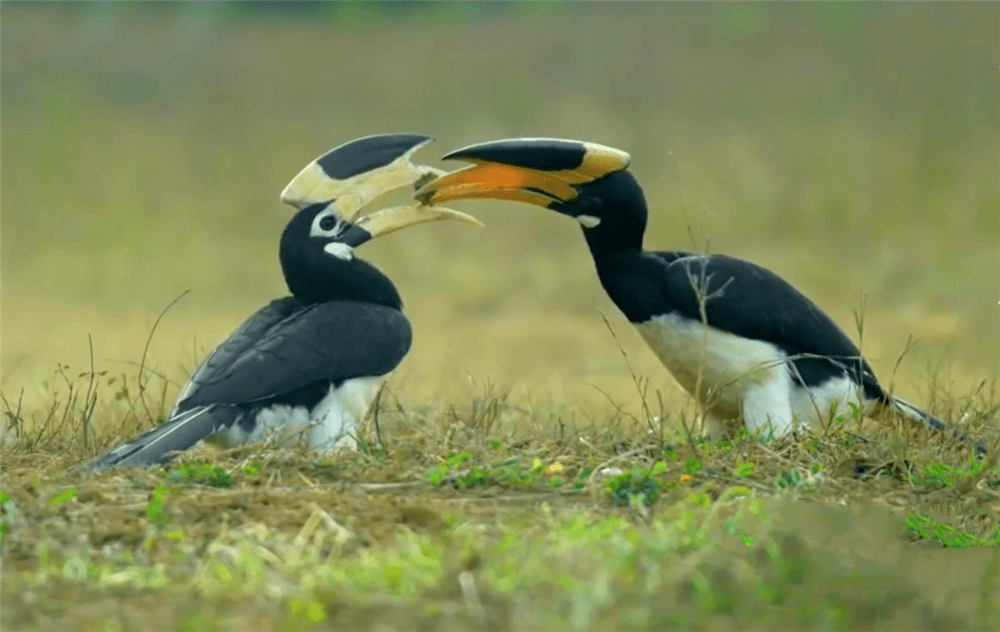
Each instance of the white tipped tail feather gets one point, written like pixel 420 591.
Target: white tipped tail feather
pixel 331 424
pixel 179 433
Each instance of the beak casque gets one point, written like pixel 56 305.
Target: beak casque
pixel 356 173
pixel 538 171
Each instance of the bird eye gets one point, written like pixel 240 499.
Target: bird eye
pixel 328 223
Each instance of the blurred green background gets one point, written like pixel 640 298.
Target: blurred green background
pixel 850 147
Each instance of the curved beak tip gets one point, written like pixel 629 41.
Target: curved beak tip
pixel 475 222
pixel 443 213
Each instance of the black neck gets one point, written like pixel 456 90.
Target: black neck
pixel 314 276
pixel 610 240
pixel 631 279
pixel 621 209
pixel 616 242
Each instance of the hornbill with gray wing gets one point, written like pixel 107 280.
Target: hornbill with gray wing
pixel 746 344
pixel 314 361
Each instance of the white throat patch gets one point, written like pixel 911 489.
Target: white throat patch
pixel 339 250
pixel 588 221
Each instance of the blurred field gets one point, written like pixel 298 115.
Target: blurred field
pixel 851 148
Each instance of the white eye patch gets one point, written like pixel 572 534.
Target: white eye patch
pixel 339 250
pixel 588 221
pixel 326 224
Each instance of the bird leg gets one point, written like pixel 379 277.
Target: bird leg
pixel 767 408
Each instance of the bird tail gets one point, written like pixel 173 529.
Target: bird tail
pixel 180 432
pixel 908 410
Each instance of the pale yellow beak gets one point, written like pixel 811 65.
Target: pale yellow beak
pixel 385 221
pixel 354 174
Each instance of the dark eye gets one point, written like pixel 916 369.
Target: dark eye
pixel 328 222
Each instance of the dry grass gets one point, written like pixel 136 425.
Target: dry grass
pixel 532 511
pixel 851 150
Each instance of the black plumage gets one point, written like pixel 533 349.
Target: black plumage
pixel 739 338
pixel 289 353
pixel 292 345
pixel 313 361
pixel 745 300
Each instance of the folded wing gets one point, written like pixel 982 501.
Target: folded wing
pixel 285 347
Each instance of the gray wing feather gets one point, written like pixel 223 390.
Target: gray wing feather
pixel 913 413
pixel 239 342
pixel 285 346
pixel 333 341
pixel 179 433
pixel 760 305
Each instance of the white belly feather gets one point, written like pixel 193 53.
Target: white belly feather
pixel 332 423
pixel 736 378
pixel 725 364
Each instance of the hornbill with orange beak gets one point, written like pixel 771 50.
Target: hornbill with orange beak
pixel 747 345
pixel 314 361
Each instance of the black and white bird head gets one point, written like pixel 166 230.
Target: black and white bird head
pixel 585 181
pixel 317 246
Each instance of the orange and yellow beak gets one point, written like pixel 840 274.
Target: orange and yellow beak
pixel 539 171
